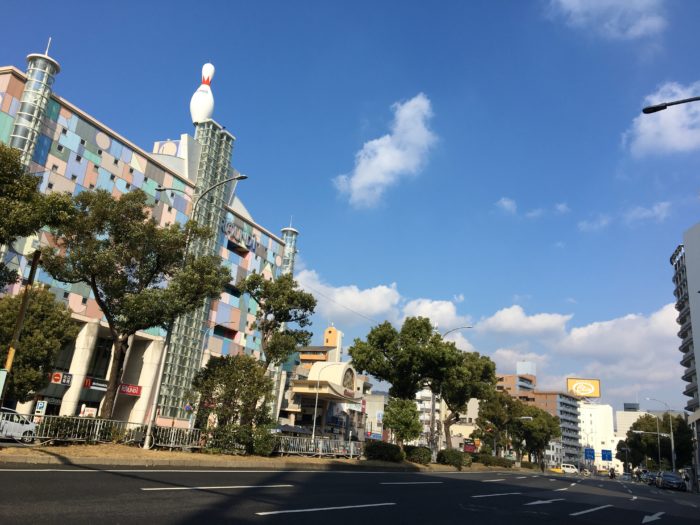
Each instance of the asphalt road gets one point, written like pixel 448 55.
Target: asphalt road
pixel 154 496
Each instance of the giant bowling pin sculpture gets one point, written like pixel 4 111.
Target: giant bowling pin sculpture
pixel 202 102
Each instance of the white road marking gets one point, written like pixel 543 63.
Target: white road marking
pixel 633 498
pixel 559 490
pixel 589 510
pixel 653 517
pixel 493 495
pixel 490 480
pixel 552 479
pixel 219 487
pixel 544 501
pixel 572 484
pixel 411 482
pixel 521 477
pixel 319 509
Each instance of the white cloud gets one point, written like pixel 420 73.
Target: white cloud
pixel 513 320
pixel 613 19
pixel 562 207
pixel 382 162
pixel 441 313
pixel 350 304
pixel 508 205
pixel 459 298
pixel 658 212
pixel 674 130
pixel 598 223
pixel 631 335
pixel 507 358
pixel 533 214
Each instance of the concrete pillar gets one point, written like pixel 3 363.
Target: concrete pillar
pixel 147 381
pixel 84 348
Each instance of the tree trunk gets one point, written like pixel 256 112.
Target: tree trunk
pixel 121 345
pixel 446 426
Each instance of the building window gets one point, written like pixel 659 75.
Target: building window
pixel 74 177
pixel 95 167
pixel 112 176
pixel 84 300
pixel 99 152
pixel 59 147
pixel 128 185
pixel 92 186
pixel 64 131
pixel 65 295
pixel 82 142
pixel 116 162
pixel 78 158
pixel 170 208
pixel 49 185
pixel 54 168
pixel 131 170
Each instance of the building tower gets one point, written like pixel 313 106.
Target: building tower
pixel 289 235
pixel 41 72
pixel 184 355
pixel 686 279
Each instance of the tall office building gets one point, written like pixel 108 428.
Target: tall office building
pixel 686 279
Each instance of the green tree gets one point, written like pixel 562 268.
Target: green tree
pixel 499 417
pixel 407 359
pixel 473 376
pixel 24 209
pixel 281 305
pixel 136 269
pixel 539 430
pixel 47 328
pixel 643 441
pixel 401 416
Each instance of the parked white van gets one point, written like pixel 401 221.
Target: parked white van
pixel 16 426
pixel 568 468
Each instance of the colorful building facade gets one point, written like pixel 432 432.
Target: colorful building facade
pixel 71 151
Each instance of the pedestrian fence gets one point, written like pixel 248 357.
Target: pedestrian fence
pixel 66 429
pixel 30 429
pixel 303 446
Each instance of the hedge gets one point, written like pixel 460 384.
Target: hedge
pixel 383 451
pixel 453 457
pixel 419 455
pixel 493 461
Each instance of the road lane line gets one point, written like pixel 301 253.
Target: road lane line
pixel 590 510
pixel 633 498
pixel 559 490
pixel 411 482
pixel 492 480
pixel 319 509
pixel 521 477
pixel 494 495
pixel 219 487
pixel 572 484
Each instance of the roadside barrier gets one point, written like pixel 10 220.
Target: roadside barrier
pixel 303 446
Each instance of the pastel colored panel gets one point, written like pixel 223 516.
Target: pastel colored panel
pixel 61 184
pixel 103 180
pixel 14 106
pixel 15 87
pixel 138 162
pixel 116 149
pixel 223 314
pixel 137 179
pixel 5 103
pixel 126 155
pixel 120 184
pixel 53 108
pixel 92 157
pixel 6 123
pixel 75 166
pixel 75 302
pixel 69 140
pixel 92 310
pixel 215 345
pixel 90 176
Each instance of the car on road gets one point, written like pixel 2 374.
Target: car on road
pixel 568 468
pixel 16 426
pixel 670 480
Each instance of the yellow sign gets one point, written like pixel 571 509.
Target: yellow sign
pixel 583 387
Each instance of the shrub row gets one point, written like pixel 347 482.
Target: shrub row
pixel 383 451
pixel 419 455
pixel 493 461
pixel 453 457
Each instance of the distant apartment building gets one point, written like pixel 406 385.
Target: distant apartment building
pixel 685 261
pixel 597 431
pixel 519 386
pixel 566 408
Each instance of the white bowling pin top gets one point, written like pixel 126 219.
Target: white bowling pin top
pixel 202 102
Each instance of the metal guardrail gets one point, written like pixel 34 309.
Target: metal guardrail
pixel 30 428
pixel 303 446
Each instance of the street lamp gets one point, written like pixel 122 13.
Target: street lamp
pixel 433 431
pixel 664 105
pixel 670 425
pixel 166 345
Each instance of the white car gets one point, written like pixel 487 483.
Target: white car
pixel 16 426
pixel 568 468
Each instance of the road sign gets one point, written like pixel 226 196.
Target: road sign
pixel 589 453
pixel 606 455
pixel 40 408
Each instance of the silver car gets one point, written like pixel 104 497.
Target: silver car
pixel 16 426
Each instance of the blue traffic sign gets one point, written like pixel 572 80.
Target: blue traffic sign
pixel 607 455
pixel 589 453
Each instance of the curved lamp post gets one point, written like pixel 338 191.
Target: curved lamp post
pixel 664 105
pixel 166 345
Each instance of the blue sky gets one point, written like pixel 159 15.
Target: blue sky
pixel 482 163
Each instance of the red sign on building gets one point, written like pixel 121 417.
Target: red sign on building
pixel 130 390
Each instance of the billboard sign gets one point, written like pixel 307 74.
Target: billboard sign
pixel 583 387
pixel 130 390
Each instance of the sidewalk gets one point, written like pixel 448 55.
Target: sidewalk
pixel 122 455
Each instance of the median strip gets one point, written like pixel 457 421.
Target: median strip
pixel 319 509
pixel 217 487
